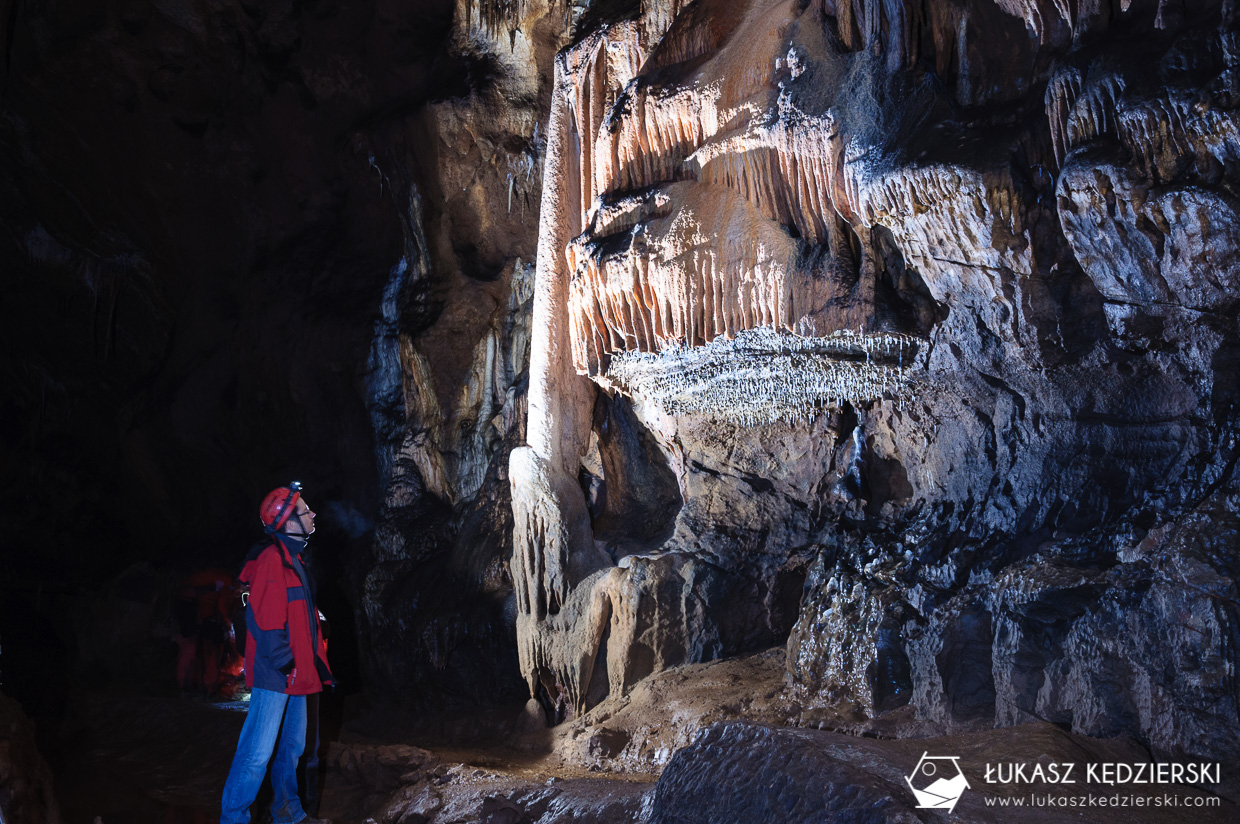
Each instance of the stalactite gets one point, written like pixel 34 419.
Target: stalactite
pixel 1164 131
pixel 764 375
pixel 1093 115
pixel 642 291
pixel 1061 94
pixel 496 17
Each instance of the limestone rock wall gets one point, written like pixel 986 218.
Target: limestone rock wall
pixel 448 368
pixel 930 313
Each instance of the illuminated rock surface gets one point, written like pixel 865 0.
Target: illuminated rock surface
pixel 933 312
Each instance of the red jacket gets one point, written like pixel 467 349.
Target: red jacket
pixel 284 649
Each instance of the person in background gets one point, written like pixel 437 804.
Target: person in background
pixel 204 632
pixel 285 661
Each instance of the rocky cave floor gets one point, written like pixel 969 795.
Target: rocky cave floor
pixel 133 758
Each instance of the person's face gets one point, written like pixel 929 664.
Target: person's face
pixel 301 522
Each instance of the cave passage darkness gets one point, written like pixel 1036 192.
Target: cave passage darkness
pixel 194 249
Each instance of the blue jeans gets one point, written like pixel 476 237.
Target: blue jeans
pixel 271 714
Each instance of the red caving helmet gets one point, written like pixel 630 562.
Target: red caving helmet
pixel 279 504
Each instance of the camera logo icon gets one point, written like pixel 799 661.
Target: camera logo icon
pixel 937 782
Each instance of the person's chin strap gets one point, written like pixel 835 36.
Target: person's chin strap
pixel 301 536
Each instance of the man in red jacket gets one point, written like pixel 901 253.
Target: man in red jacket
pixel 285 660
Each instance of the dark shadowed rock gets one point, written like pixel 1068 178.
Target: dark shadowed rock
pixel 25 780
pixel 746 772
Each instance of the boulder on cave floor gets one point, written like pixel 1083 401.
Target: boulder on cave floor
pixel 739 771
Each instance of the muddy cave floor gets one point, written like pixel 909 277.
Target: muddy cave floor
pixel 130 758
